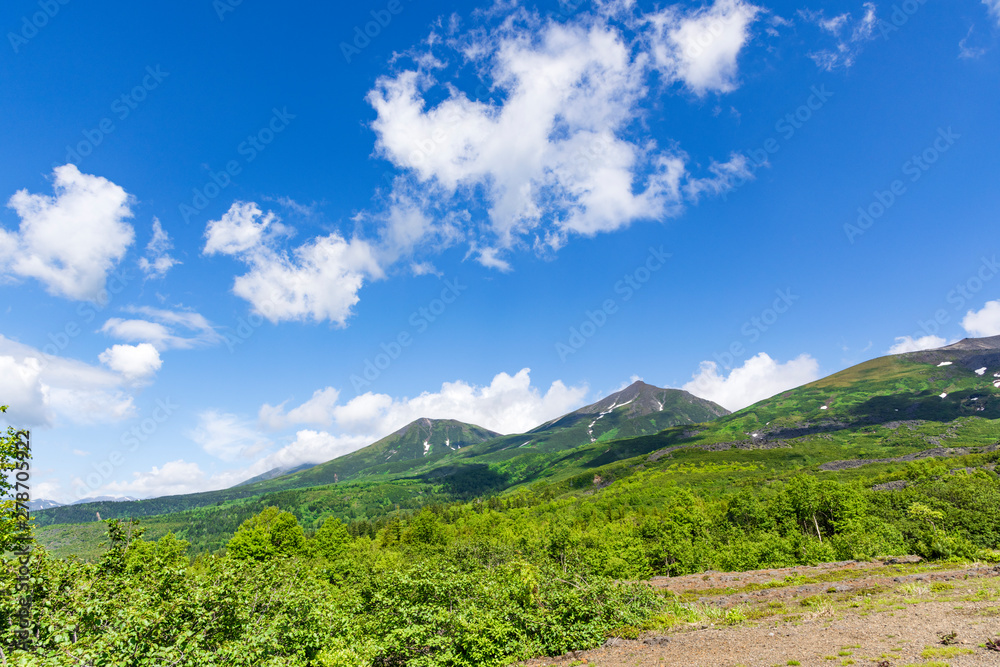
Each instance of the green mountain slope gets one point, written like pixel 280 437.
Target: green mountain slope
pixel 639 409
pixel 434 447
pixel 865 422
pixel 419 440
pixel 395 450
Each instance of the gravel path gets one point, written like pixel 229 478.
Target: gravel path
pixel 892 615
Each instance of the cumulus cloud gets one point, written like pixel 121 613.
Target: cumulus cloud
pixel 984 322
pixel 910 344
pixel 71 240
pixel 508 404
pixel 163 329
pixel 134 362
pixel 759 378
pixel 240 229
pixel 319 280
pixel 849 36
pixel 555 151
pixel 701 48
pixel 157 261
pixel 44 389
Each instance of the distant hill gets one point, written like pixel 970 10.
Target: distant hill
pixel 423 438
pixel 42 504
pixel 103 499
pixel 274 472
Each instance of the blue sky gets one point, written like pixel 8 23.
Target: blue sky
pixel 238 236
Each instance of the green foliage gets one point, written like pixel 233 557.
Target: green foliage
pixel 267 535
pixel 14 534
pixel 491 554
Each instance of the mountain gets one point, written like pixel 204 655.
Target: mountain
pixel 879 414
pixel 434 448
pixel 42 504
pixel 418 440
pixel 396 451
pixel 103 499
pixel 639 409
pixel 274 472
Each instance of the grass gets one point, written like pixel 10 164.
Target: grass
pixel 944 652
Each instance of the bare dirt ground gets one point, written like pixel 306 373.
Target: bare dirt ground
pixel 885 614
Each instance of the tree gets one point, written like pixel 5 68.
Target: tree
pixel 14 463
pixel 331 540
pixel 266 535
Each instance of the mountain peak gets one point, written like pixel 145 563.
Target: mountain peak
pixel 643 398
pixel 974 344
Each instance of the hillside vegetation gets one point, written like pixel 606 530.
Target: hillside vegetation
pixel 488 554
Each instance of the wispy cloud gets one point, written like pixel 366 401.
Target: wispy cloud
pixel 849 36
pixel 157 260
pixel 163 329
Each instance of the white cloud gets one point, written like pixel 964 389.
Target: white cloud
pixel 985 322
pixel 508 404
pixel 164 329
pixel 45 389
pixel 241 228
pixel 994 8
pixel 227 437
pixel 558 154
pixel 909 344
pixel 320 280
pixel 72 240
pixel 725 176
pixel 21 388
pixel 157 261
pixel 172 478
pixel 849 36
pixel 759 378
pixel 134 362
pixel 701 48
pixel 310 447
pixel 318 411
